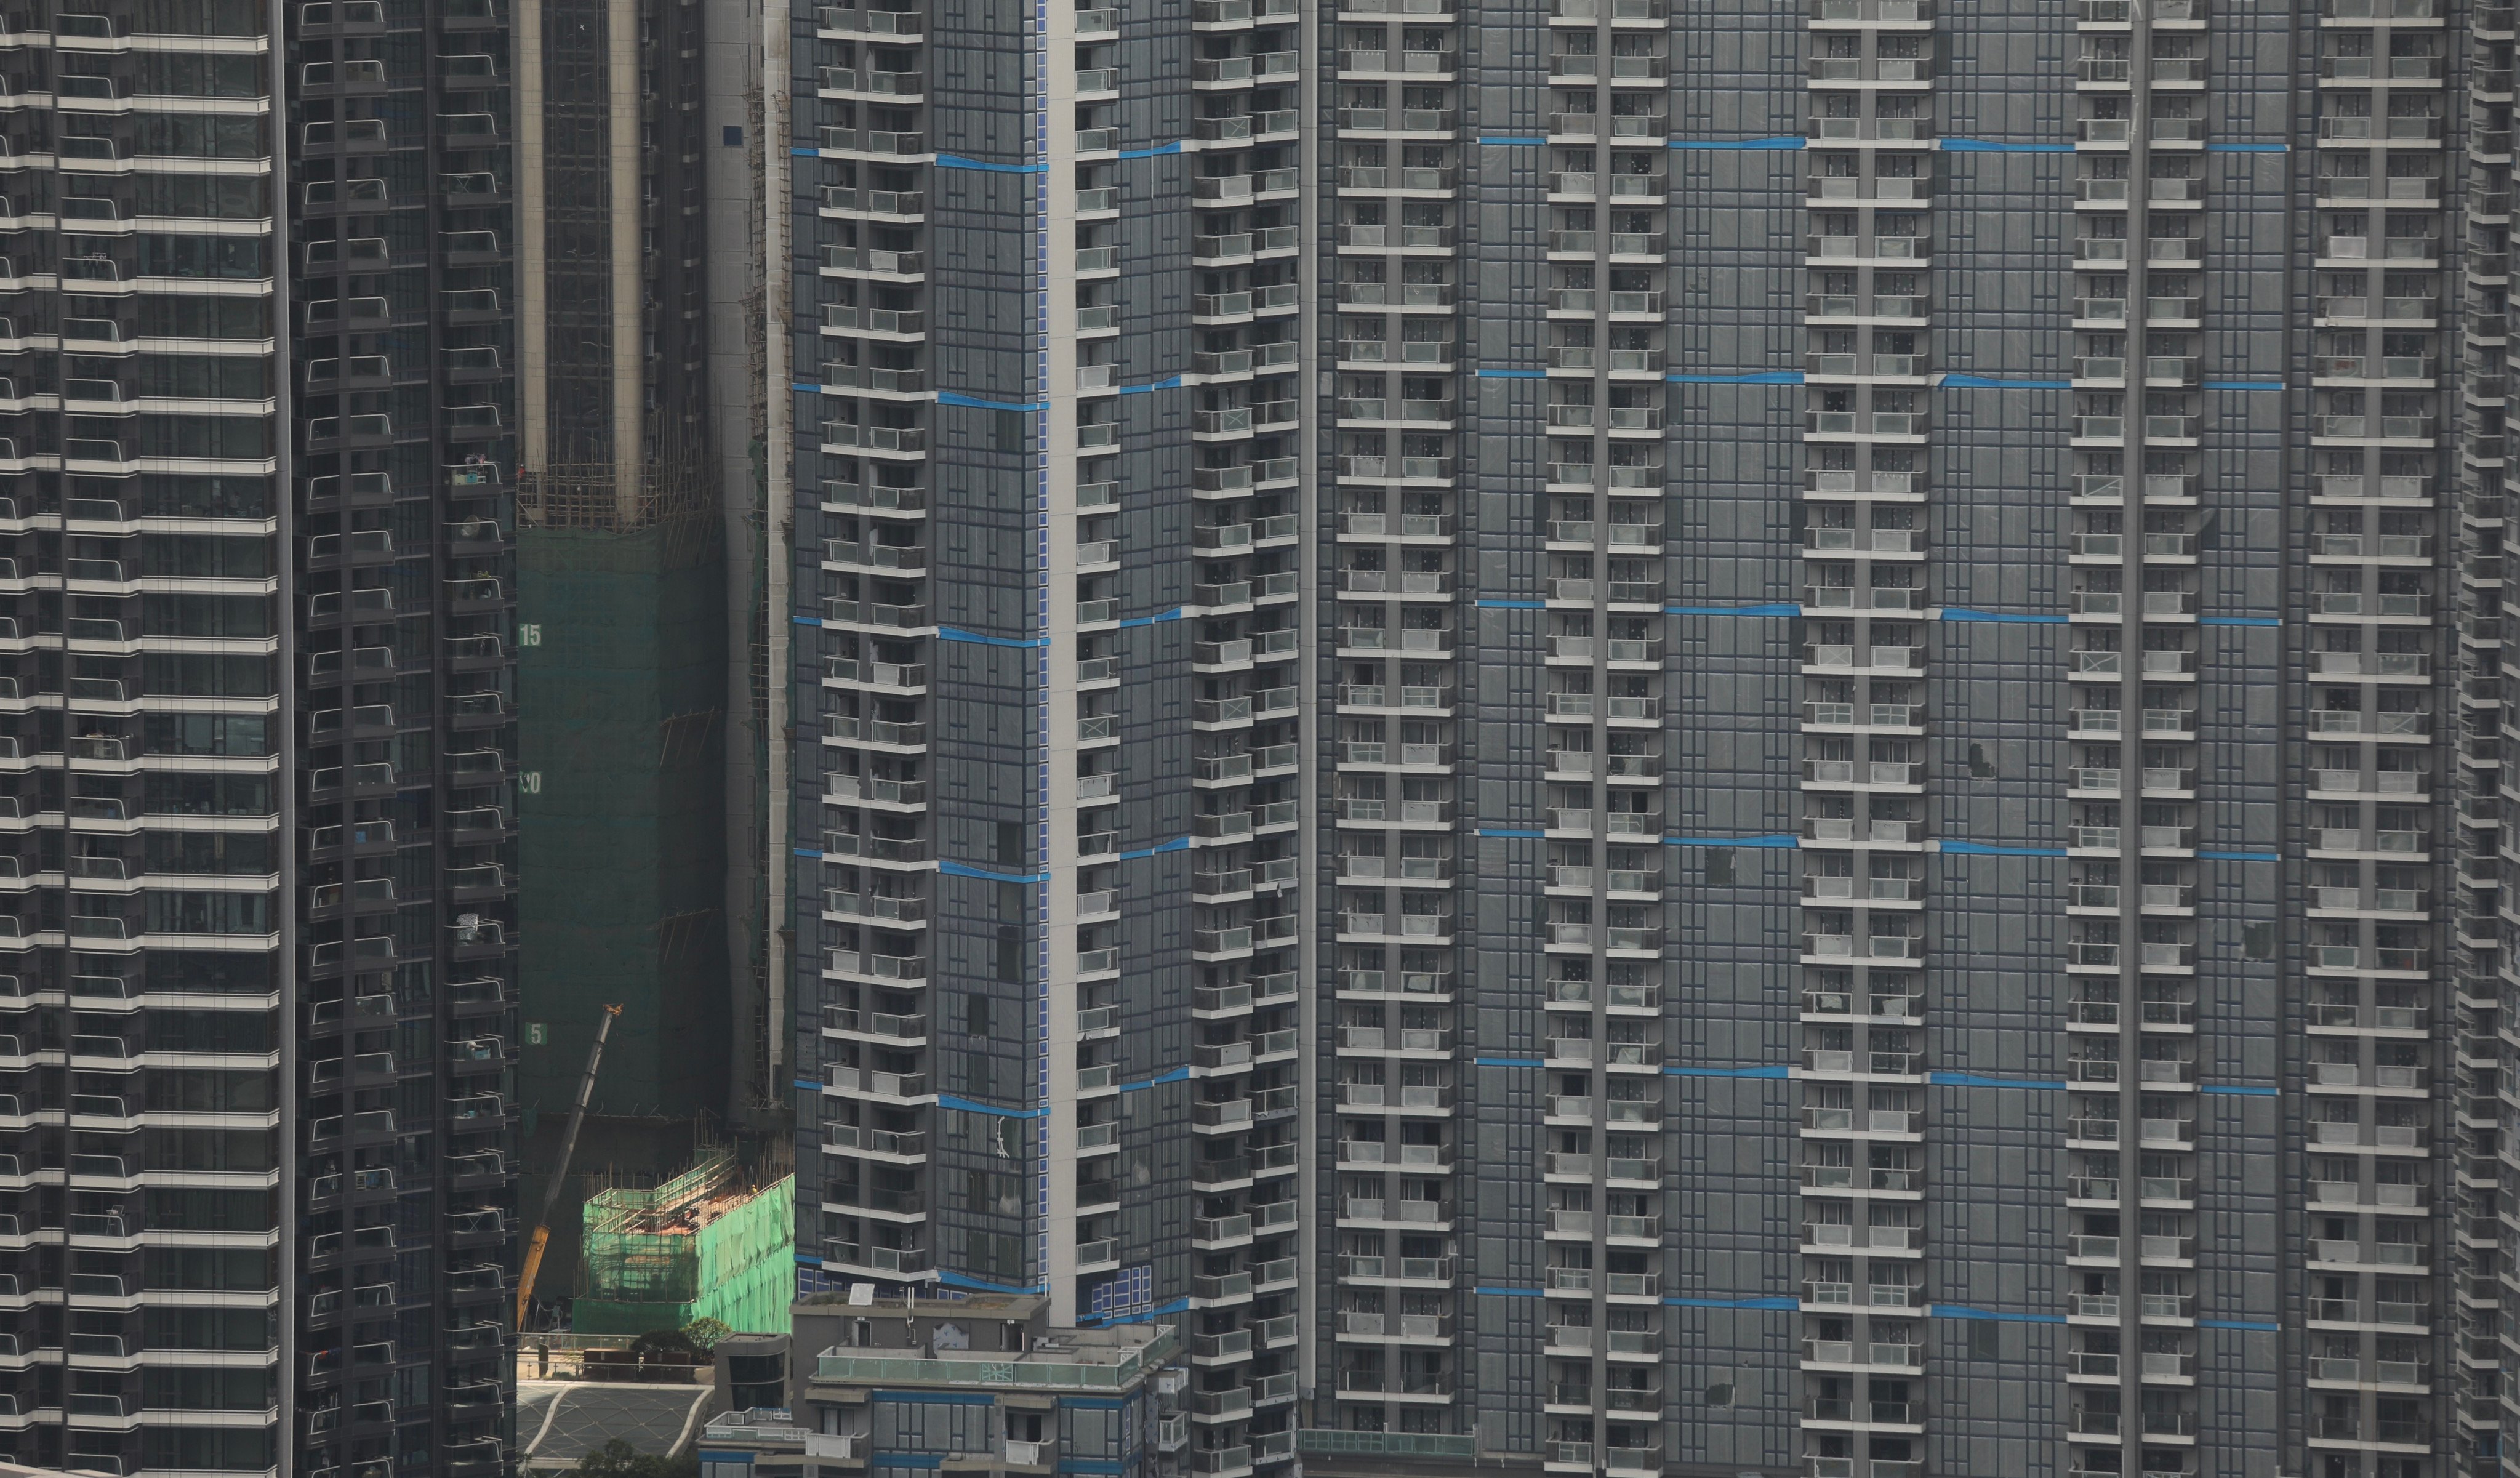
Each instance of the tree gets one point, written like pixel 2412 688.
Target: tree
pixel 619 1459
pixel 662 1342
pixel 699 1337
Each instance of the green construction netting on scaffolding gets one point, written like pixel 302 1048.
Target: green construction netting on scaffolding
pixel 702 1245
pixel 622 686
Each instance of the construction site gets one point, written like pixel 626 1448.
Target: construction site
pixel 625 677
pixel 665 1270
pixel 712 1243
pixel 642 692
pixel 626 839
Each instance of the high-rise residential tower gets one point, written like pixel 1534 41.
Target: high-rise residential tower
pixel 257 972
pixel 1631 736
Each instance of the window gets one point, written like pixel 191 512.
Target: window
pixel 171 913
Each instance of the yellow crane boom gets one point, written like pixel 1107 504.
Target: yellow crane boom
pixel 560 1172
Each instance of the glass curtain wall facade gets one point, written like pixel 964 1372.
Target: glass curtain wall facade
pixel 1050 782
pixel 402 352
pixel 1646 739
pixel 253 482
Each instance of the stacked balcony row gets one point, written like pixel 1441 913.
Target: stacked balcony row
pixel 1866 581
pixel 1394 208
pixel 874 1012
pixel 1606 205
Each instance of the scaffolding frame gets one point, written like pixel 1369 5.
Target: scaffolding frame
pixel 708 1243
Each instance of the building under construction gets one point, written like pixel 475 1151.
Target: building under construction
pixel 638 601
pixel 643 653
pixel 624 834
pixel 713 1242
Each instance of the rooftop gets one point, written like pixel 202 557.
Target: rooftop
pixel 759 1426
pixel 1110 1359
pixel 560 1423
pixel 973 1305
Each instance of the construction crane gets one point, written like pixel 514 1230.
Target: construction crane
pixel 560 1172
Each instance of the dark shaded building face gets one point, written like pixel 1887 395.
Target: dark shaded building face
pixel 625 677
pixel 255 481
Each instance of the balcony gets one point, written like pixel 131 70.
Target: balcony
pixel 1405 1097
pixel 1878 1353
pixel 1429 1328
pixel 906 1088
pixel 1820 1119
pixel 1355 1383
pixel 887 1261
pixel 1827 1236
